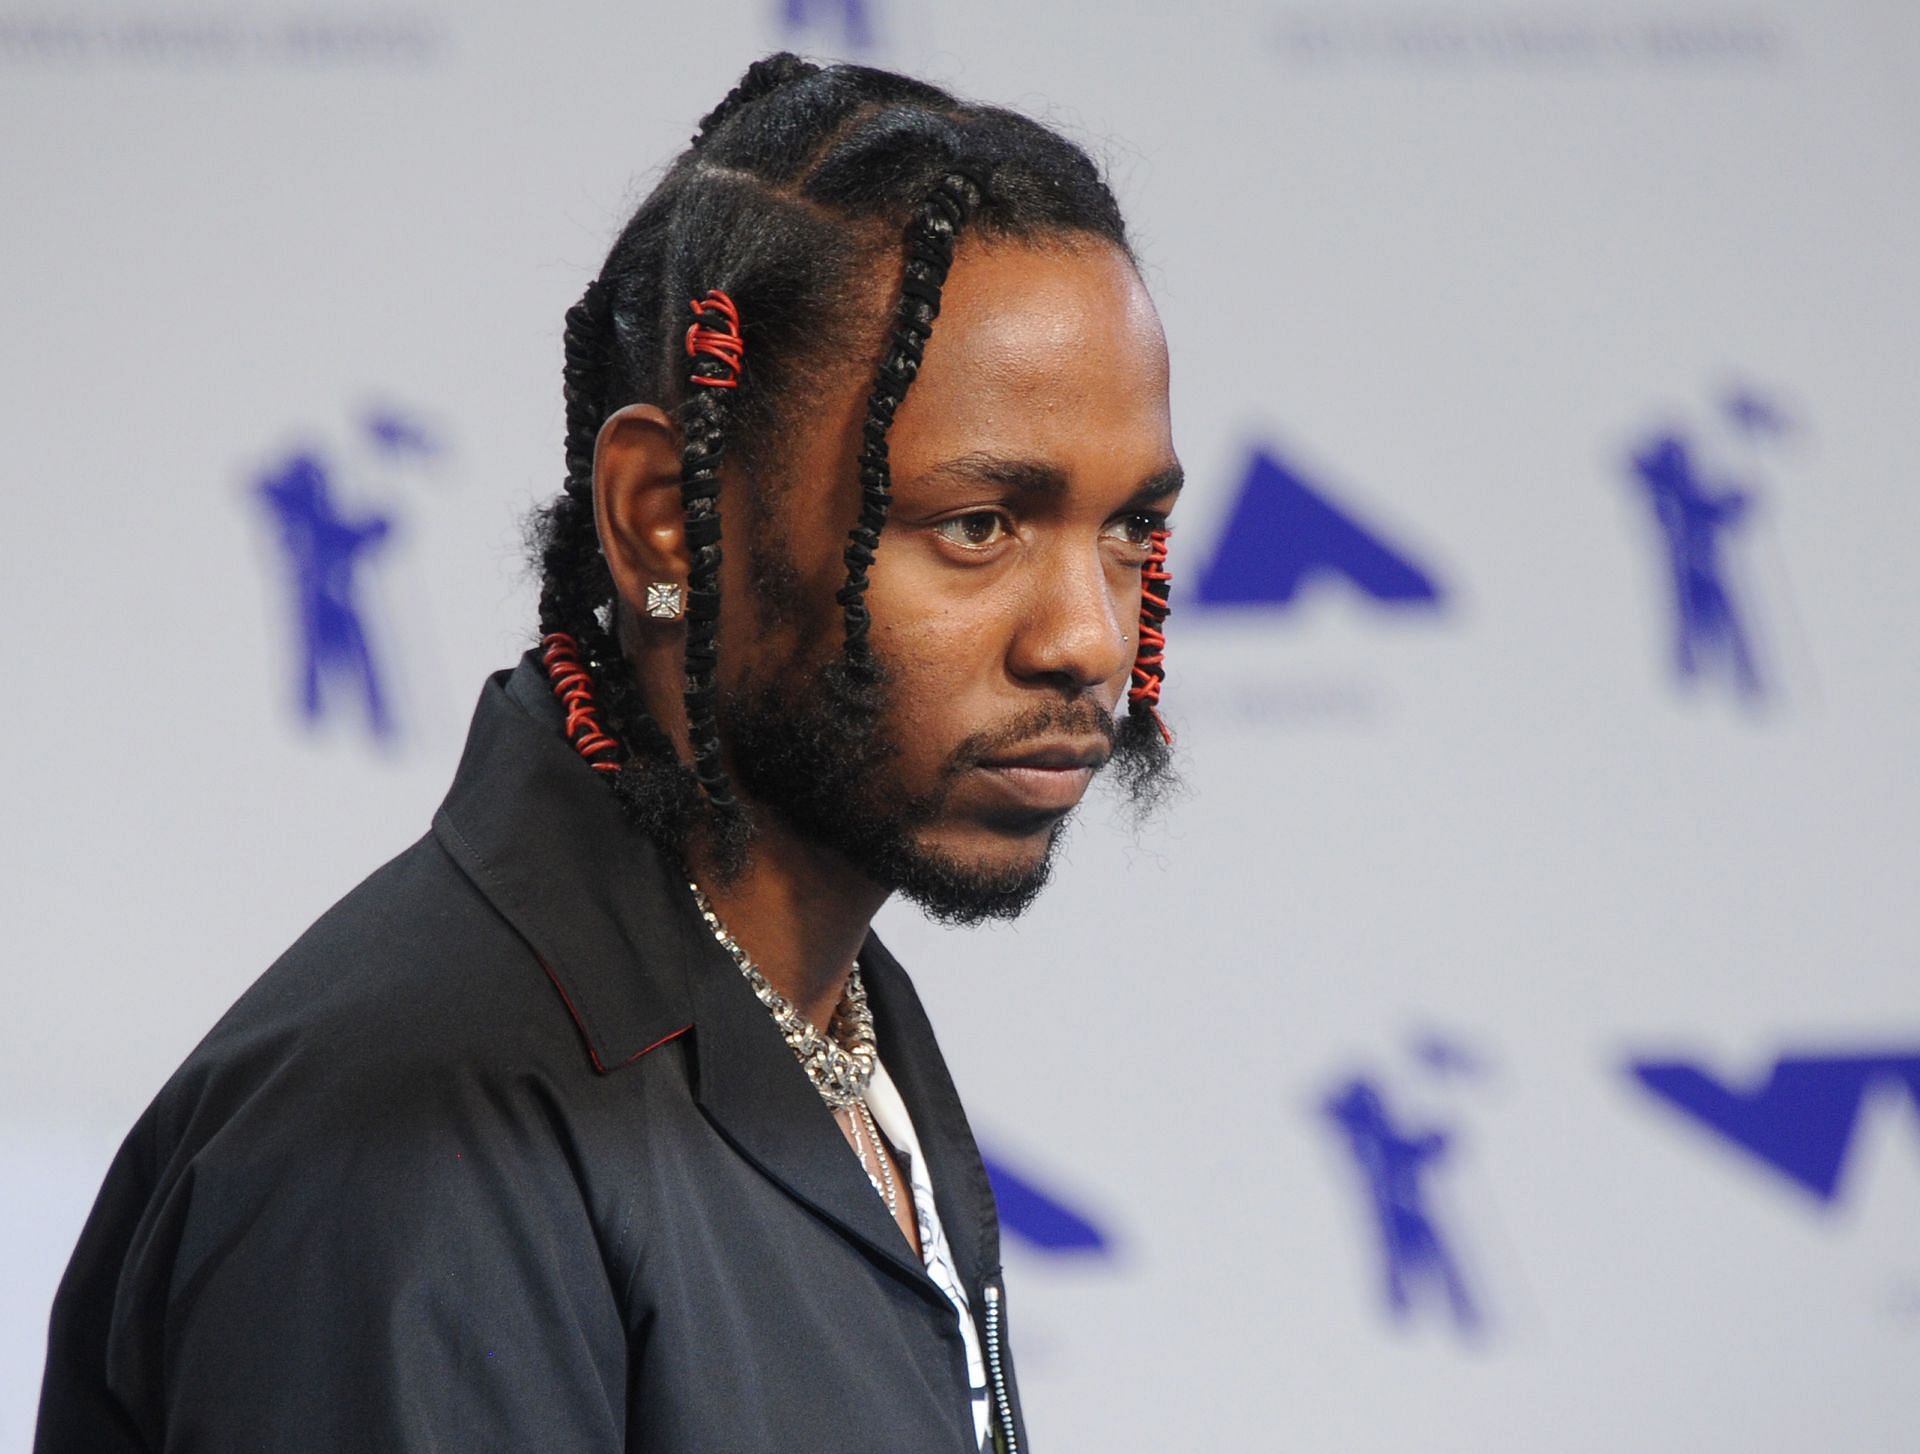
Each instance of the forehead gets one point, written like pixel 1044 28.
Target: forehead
pixel 1051 348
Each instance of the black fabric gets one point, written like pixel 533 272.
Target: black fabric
pixel 504 1154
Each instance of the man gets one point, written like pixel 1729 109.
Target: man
pixel 598 1120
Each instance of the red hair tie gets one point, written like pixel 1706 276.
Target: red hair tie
pixel 1149 666
pixel 723 344
pixel 574 687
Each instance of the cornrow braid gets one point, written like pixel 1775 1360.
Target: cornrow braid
pixel 1149 660
pixel 929 243
pixel 762 78
pixel 575 577
pixel 606 722
pixel 703 425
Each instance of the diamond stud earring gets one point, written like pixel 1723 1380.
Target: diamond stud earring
pixel 666 601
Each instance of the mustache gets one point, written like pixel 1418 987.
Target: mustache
pixel 1061 719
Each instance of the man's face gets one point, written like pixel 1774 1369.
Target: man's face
pixel 1031 461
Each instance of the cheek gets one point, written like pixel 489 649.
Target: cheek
pixel 945 659
pixel 1125 584
pixel 779 573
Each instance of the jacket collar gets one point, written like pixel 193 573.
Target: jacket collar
pixel 546 843
pixel 605 911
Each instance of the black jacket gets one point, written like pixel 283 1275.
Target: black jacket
pixel 504 1154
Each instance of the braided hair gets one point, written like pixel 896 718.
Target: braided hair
pixel 796 186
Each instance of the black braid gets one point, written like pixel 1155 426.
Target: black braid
pixel 762 78
pixel 785 199
pixel 575 578
pixel 930 236
pixel 703 426
pixel 577 586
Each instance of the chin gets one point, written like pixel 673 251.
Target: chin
pixel 981 877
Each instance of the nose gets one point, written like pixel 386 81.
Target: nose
pixel 1077 627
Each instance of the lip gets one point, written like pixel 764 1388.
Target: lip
pixel 1058 755
pixel 1040 789
pixel 1048 778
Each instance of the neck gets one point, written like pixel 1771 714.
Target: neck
pixel 800 912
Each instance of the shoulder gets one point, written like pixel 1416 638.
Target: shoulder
pixel 409 1005
pixel 380 1123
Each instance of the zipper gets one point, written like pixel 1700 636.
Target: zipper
pixel 997 1372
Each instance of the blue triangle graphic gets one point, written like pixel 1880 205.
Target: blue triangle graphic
pixel 1800 1121
pixel 1038 1218
pixel 1283 532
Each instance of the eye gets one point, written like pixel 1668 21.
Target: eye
pixel 975 530
pixel 1135 531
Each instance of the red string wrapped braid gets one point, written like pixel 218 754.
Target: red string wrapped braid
pixel 722 344
pixel 574 687
pixel 1149 664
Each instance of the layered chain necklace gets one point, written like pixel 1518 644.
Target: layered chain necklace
pixel 839 1063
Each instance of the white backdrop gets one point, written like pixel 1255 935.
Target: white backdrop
pixel 1467 856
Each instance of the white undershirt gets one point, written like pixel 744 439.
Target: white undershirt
pixel 890 1112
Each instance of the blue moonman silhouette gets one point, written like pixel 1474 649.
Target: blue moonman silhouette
pixel 1692 518
pixel 393 433
pixel 1392 1166
pixel 1753 414
pixel 322 550
pixel 856 25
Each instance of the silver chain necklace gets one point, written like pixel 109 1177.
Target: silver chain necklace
pixel 839 1063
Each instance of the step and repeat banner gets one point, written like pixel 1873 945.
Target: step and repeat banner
pixel 1509 1040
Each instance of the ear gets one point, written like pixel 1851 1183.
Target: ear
pixel 636 502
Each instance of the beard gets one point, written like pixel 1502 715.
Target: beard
pixel 817 748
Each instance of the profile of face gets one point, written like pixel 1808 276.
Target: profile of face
pixel 1032 460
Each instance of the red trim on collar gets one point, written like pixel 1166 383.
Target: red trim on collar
pixel 670 1035
pixel 580 1024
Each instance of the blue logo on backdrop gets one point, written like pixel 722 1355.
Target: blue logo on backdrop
pixel 847 23
pixel 1800 1121
pixel 1696 512
pixel 399 435
pixel 1039 1218
pixel 323 550
pixel 1285 531
pixel 1395 1163
pixel 1755 415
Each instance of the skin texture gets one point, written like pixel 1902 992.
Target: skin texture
pixel 1030 460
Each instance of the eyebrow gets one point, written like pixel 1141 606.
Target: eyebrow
pixel 1032 482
